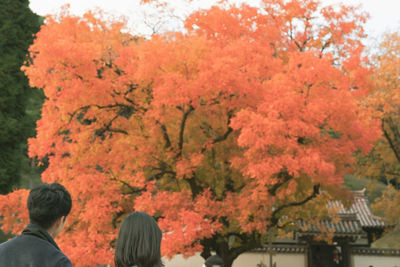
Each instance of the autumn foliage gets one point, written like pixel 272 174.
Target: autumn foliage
pixel 382 164
pixel 244 122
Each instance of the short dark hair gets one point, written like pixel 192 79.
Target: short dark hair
pixel 47 203
pixel 139 241
pixel 214 260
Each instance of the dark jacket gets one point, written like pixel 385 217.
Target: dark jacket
pixel 33 248
pixel 158 265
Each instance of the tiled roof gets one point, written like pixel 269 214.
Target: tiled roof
pixel 283 248
pixel 375 251
pixel 361 209
pixel 341 228
pixel 300 249
pixel 353 220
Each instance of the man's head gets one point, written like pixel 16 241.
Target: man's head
pixel 214 261
pixel 48 205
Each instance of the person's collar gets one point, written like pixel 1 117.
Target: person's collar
pixel 38 231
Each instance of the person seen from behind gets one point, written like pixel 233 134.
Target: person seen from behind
pixel 139 242
pixel 48 206
pixel 214 261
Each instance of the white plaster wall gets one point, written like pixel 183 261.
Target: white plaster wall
pixel 244 260
pixel 281 260
pixel 375 261
pixel 179 261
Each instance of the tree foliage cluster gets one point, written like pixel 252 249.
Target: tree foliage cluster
pixel 245 122
pixel 17 26
pixel 382 164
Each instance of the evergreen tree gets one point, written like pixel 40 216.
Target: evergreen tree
pixel 19 104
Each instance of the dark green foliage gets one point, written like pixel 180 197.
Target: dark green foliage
pixel 19 104
pixel 4 237
pixel 373 188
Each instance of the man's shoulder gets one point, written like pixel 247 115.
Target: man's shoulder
pixel 10 242
pixel 25 243
pixel 64 262
pixel 25 239
pixel 32 249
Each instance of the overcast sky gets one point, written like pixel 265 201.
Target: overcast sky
pixel 384 13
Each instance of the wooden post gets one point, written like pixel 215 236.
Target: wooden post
pixel 271 262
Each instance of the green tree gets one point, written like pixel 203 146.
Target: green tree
pixel 19 104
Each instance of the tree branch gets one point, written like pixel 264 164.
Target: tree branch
pixel 326 44
pixel 165 135
pixel 182 128
pixel 132 189
pixel 390 140
pixel 274 217
pixel 83 109
pixel 225 135
pixel 107 128
pixel 284 178
pixel 196 189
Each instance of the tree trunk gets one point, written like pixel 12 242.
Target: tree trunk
pixel 228 261
pixel 224 250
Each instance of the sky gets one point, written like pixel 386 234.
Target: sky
pixel 384 14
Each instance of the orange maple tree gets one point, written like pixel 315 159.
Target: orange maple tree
pixel 243 123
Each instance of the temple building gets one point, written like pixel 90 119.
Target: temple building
pixel 350 247
pixel 356 230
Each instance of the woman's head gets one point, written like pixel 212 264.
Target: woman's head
pixel 139 241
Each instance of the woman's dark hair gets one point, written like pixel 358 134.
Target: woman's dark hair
pixel 139 242
pixel 47 203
